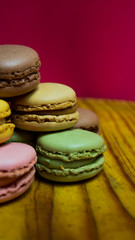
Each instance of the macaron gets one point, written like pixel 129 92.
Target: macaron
pixel 16 169
pixel 6 127
pixel 19 70
pixel 50 107
pixel 70 155
pixel 23 137
pixel 88 120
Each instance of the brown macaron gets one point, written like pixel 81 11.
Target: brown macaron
pixel 88 120
pixel 19 70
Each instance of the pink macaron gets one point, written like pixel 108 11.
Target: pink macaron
pixel 16 169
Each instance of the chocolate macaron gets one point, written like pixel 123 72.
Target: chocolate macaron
pixel 88 120
pixel 50 107
pixel 19 70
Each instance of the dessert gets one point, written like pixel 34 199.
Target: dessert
pixel 19 70
pixel 16 169
pixel 6 127
pixel 50 107
pixel 88 120
pixel 70 155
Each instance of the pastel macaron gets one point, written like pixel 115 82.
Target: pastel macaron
pixel 50 107
pixel 19 70
pixel 88 120
pixel 70 155
pixel 23 136
pixel 16 169
pixel 6 127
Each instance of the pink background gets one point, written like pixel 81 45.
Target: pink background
pixel 86 44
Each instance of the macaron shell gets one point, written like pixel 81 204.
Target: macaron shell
pixel 16 189
pixel 15 156
pixel 88 120
pixel 70 141
pixel 26 87
pixel 9 176
pixel 45 123
pixel 6 131
pixel 17 58
pixel 4 109
pixel 46 94
pixel 71 175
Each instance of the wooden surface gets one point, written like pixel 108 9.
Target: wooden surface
pixel 100 208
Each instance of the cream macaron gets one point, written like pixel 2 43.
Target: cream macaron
pixel 50 107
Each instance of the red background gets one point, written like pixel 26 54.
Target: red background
pixel 86 44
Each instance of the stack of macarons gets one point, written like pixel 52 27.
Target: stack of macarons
pixel 16 159
pixel 19 74
pixel 46 117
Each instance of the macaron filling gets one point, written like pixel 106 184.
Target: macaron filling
pixel 69 157
pixel 48 112
pixel 42 114
pixel 18 82
pixel 41 107
pixel 10 176
pixel 95 165
pixel 14 187
pixel 59 164
pixel 21 74
pixel 45 118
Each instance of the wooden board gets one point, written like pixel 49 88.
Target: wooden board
pixel 100 208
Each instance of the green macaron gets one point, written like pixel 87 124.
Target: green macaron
pixel 23 137
pixel 70 155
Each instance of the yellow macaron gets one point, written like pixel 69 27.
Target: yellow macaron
pixel 6 128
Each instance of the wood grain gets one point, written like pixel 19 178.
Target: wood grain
pixel 101 208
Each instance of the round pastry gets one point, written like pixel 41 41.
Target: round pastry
pixel 16 169
pixel 23 137
pixel 50 107
pixel 6 128
pixel 70 155
pixel 88 120
pixel 19 67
